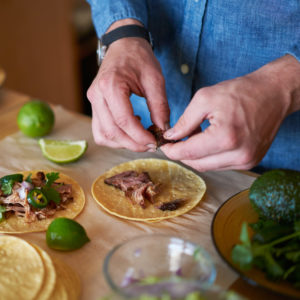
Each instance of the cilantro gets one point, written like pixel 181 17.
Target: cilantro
pixel 28 178
pixel 7 182
pixel 7 186
pixel 274 249
pixel 51 177
pixel 51 193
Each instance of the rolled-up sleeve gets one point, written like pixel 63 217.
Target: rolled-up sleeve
pixel 295 49
pixel 106 12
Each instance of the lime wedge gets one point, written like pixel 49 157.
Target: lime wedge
pixel 62 151
pixel 65 234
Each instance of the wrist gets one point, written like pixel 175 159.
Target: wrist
pixel 284 75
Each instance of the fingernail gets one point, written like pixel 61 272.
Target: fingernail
pixel 169 133
pixel 167 126
pixel 151 150
pixel 151 146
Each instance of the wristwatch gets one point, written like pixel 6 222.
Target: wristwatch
pixel 119 33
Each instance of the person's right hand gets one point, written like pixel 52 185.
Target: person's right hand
pixel 128 67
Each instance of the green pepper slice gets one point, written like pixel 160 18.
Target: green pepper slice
pixel 2 213
pixel 12 177
pixel 2 217
pixel 37 199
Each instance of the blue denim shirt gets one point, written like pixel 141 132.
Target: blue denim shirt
pixel 202 42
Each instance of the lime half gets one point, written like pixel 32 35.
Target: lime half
pixel 65 234
pixel 62 151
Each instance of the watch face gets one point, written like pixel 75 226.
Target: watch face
pixel 100 52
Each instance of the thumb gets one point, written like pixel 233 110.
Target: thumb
pixel 188 123
pixel 155 94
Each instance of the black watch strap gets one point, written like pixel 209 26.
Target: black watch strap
pixel 126 31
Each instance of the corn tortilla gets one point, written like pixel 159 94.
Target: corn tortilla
pixel 21 269
pixel 176 182
pixel 14 224
pixel 50 275
pixel 68 285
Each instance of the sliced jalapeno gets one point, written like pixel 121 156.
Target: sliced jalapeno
pixel 37 199
pixel 2 213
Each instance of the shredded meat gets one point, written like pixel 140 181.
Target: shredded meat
pixel 138 187
pixel 39 180
pixel 65 192
pixel 14 197
pixel 21 208
pixel 159 135
pixel 171 205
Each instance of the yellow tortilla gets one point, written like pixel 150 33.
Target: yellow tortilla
pixel 14 224
pixel 50 275
pixel 176 182
pixel 68 285
pixel 21 269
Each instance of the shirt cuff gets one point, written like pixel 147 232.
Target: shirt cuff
pixel 295 51
pixel 106 12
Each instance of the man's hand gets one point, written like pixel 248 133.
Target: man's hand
pixel 244 115
pixel 128 67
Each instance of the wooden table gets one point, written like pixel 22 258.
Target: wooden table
pixel 10 103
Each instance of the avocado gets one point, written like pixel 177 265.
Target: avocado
pixel 275 195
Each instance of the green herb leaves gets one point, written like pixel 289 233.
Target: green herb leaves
pixel 274 248
pixel 7 182
pixel 7 186
pixel 51 193
pixel 51 177
pixel 242 254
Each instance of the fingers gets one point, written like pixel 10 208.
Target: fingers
pixel 115 122
pixel 122 113
pixel 210 141
pixel 230 160
pixel 107 133
pixel 155 93
pixel 191 119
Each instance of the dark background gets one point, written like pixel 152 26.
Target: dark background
pixel 48 50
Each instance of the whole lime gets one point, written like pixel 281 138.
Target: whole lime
pixel 65 234
pixel 35 118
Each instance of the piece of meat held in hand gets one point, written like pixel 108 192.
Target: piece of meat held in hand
pixel 138 187
pixel 159 136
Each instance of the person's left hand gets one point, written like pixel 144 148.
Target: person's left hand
pixel 244 114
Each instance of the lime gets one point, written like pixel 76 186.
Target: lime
pixel 65 234
pixel 35 118
pixel 62 151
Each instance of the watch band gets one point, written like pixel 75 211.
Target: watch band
pixel 125 31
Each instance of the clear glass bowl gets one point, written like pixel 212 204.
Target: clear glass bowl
pixel 156 264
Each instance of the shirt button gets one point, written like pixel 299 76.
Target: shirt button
pixel 184 68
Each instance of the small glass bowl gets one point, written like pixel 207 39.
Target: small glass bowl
pixel 156 264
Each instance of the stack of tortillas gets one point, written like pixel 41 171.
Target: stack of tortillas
pixel 28 272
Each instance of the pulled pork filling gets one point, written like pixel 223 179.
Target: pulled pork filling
pixel 17 202
pixel 138 187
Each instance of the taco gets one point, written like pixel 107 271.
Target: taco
pixel 148 190
pixel 30 200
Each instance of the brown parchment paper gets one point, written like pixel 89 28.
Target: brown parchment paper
pixel 18 152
